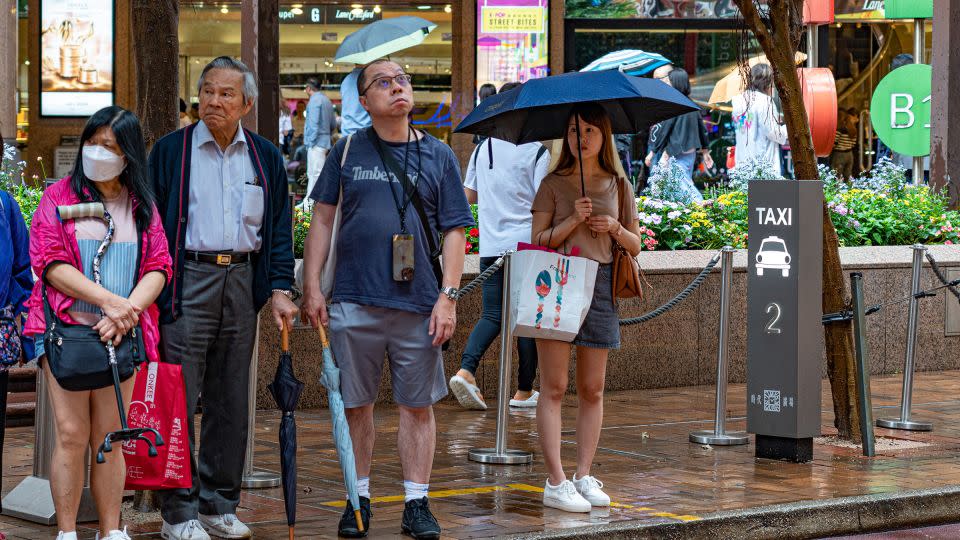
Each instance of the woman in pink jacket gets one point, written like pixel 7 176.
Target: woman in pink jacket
pixel 111 168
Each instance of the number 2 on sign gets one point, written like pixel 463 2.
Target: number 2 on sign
pixel 771 327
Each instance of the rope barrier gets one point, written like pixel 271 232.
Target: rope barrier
pixel 847 314
pixel 478 281
pixel 697 281
pixel 936 271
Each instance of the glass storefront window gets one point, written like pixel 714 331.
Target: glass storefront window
pixel 310 33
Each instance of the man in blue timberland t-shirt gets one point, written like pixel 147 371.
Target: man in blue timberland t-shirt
pixel 390 297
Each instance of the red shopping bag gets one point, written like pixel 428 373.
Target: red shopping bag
pixel 159 402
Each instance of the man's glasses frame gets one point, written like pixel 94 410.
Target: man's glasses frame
pixel 385 82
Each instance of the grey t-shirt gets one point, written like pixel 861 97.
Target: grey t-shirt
pixel 370 218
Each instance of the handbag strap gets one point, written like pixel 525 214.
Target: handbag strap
pixel 343 161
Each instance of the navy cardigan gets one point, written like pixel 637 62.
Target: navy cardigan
pixel 170 175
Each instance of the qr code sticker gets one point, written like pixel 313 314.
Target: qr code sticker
pixel 771 401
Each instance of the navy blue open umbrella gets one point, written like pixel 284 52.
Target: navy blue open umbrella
pixel 538 109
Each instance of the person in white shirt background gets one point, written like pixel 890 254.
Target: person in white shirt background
pixel 502 179
pixel 755 118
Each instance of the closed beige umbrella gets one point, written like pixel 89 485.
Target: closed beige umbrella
pixel 733 84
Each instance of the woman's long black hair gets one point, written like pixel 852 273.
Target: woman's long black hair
pixel 135 176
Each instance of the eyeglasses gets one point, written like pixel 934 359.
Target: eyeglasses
pixel 384 83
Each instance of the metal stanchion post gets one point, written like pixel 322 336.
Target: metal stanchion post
pixel 863 364
pixel 906 400
pixel 719 436
pixel 919 38
pixel 255 479
pixel 501 455
pixel 31 499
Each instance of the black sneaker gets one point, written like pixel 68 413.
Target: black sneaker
pixel 348 521
pixel 418 521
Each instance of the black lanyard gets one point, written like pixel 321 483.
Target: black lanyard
pixel 403 203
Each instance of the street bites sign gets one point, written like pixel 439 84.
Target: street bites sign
pixel 76 56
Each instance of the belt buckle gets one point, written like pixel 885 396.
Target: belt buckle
pixel 223 259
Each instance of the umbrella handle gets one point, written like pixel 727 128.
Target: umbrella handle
pixel 284 338
pixel 323 336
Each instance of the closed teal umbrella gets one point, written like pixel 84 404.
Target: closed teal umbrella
pixel 330 377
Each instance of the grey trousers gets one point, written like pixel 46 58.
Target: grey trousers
pixel 213 340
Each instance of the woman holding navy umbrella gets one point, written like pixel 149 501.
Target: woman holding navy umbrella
pixel 579 204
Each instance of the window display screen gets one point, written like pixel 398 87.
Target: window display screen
pixel 512 41
pixel 76 56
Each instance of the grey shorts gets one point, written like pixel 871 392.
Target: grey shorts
pixel 601 327
pixel 360 338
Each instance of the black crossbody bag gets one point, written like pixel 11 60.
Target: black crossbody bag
pixel 77 357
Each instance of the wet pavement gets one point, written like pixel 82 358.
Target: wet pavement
pixel 649 469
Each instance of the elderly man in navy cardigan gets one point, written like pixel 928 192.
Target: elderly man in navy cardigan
pixel 222 193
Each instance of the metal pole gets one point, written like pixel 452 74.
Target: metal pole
pixel 913 317
pixel 918 48
pixel 31 499
pixel 254 479
pixel 813 45
pixel 863 365
pixel 719 436
pixel 500 454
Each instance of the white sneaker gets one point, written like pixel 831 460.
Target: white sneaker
pixel 188 530
pixel 115 535
pixel 225 526
pixel 564 497
pixel 467 394
pixel 72 535
pixel 529 403
pixel 589 488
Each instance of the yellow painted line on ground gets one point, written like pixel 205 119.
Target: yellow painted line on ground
pixel 445 493
pixel 439 494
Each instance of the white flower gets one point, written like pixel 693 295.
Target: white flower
pixel 674 215
pixel 8 152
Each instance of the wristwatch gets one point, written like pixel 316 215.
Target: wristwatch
pixel 292 293
pixel 450 292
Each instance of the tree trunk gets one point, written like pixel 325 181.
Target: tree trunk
pixel 156 52
pixel 156 55
pixel 779 34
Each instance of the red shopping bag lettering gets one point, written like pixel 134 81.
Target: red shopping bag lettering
pixel 159 402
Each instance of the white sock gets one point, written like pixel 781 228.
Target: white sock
pixel 414 491
pixel 551 486
pixel 363 487
pixel 72 535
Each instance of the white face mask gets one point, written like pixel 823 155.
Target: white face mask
pixel 100 164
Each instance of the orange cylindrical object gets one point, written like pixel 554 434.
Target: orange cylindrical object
pixel 820 100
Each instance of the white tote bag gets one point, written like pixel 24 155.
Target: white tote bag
pixel 550 294
pixel 329 270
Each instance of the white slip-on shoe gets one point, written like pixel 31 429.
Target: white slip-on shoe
pixel 225 526
pixel 589 488
pixel 188 530
pixel 115 535
pixel 564 497
pixel 529 403
pixel 467 394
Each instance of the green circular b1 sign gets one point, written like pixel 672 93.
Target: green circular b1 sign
pixel 900 110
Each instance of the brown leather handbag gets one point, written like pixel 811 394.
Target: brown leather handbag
pixel 626 269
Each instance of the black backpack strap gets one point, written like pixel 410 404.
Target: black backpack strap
pixel 540 153
pixel 433 242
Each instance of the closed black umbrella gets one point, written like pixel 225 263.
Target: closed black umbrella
pixel 286 390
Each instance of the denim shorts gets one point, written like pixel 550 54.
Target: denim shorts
pixel 601 328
